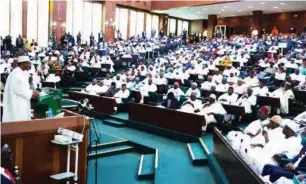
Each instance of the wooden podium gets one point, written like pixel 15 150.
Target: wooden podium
pixel 35 155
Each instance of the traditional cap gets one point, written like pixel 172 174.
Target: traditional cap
pixel 277 119
pixel 213 96
pixel 195 84
pixel 57 53
pixel 22 59
pixel 231 88
pixel 264 109
pixel 292 125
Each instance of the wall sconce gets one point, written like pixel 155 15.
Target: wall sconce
pixel 111 23
pixel 63 25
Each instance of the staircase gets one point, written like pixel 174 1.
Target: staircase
pixel 197 154
pixel 147 166
pixel 114 122
pixel 111 148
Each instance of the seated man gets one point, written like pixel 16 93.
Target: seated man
pixel 176 91
pixel 192 104
pixel 111 90
pixel 161 80
pixel 101 89
pixel 297 76
pixel 107 81
pixel 301 118
pixel 240 87
pixel 252 130
pixel 284 94
pixel 171 102
pixel 92 88
pixel 223 86
pixel 193 89
pixel 247 101
pixel 261 90
pixel 149 87
pixel 211 109
pixel 122 93
pixel 229 97
pixel 207 84
pixel 252 80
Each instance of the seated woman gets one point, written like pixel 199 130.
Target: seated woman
pixel 226 61
pixel 56 66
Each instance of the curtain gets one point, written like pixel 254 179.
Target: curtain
pixel 4 18
pixel 96 19
pixel 78 17
pixel 133 19
pixel 87 22
pixel 16 19
pixel 123 22
pixel 179 27
pixel 171 26
pixel 155 24
pixel 149 25
pixel 185 26
pixel 43 23
pixel 140 23
pixel 32 20
pixel 69 17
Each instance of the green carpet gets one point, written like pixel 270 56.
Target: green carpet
pixel 175 165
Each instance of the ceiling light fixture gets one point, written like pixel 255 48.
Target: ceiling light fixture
pixel 225 6
pixel 250 7
pixel 222 10
pixel 275 7
pixel 262 3
pixel 205 9
pixel 239 10
pixel 282 4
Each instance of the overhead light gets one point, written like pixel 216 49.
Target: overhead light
pixel 250 7
pixel 225 6
pixel 205 9
pixel 233 15
pixel 239 10
pixel 222 10
pixel 219 12
pixel 262 3
pixel 275 7
pixel 282 4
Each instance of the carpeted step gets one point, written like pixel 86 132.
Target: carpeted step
pixel 146 169
pixel 110 144
pixel 113 122
pixel 108 149
pixel 197 154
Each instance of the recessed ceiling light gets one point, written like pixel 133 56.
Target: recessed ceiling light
pixel 282 3
pixel 233 15
pixel 239 10
pixel 225 6
pixel 250 7
pixel 262 3
pixel 219 12
pixel 205 9
pixel 222 10
pixel 275 7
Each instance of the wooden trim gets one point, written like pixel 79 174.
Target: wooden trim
pixel 18 155
pixel 25 19
pixel 129 22
pixel 145 22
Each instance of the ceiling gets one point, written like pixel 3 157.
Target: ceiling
pixel 233 9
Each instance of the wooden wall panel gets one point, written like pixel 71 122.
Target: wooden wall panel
pixel 143 5
pixel 59 16
pixel 34 154
pixel 24 18
pixel 163 5
pixel 109 12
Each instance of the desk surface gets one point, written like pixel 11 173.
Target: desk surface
pixel 182 122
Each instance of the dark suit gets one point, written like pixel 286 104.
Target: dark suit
pixel 170 104
pixel 277 172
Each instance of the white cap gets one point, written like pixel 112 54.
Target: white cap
pixel 194 83
pixel 57 53
pixel 292 125
pixel 213 96
pixel 22 59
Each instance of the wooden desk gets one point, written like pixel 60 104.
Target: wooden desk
pixel 34 154
pixel 234 109
pixel 101 104
pixel 300 95
pixel 270 101
pixel 234 168
pixel 186 123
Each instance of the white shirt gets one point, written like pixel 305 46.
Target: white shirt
pixel 251 81
pixel 197 104
pixel 260 91
pixel 121 94
pixel 92 89
pixel 177 92
pixel 17 96
pixel 190 90
pixel 247 102
pixel 222 87
pixel 229 99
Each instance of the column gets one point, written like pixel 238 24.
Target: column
pixel 163 24
pixel 109 13
pixel 212 22
pixel 257 21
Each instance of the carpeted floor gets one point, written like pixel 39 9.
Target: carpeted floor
pixel 174 161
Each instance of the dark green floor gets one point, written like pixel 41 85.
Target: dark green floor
pixel 175 165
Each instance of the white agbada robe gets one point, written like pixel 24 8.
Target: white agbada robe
pixel 177 93
pixel 207 85
pixel 240 89
pixel 17 96
pixel 215 108
pixel 230 99
pixel 253 82
pixel 284 97
pixel 101 89
pixel 190 90
pixel 247 102
pixel 260 91
pixel 197 104
pixel 92 89
pixel 121 94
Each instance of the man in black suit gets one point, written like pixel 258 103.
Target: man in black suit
pixel 296 165
pixel 171 102
pixel 19 42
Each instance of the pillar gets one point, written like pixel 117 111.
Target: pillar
pixel 212 22
pixel 57 12
pixel 109 13
pixel 257 21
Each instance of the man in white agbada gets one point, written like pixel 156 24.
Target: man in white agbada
pixel 122 93
pixel 261 90
pixel 102 88
pixel 207 84
pixel 192 104
pixel 252 80
pixel 177 92
pixel 228 98
pixel 253 129
pixel 17 93
pixel 284 94
pixel 211 109
pixel 93 87
pixel 193 89
pixel 247 101
pixel 289 146
pixel 223 86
